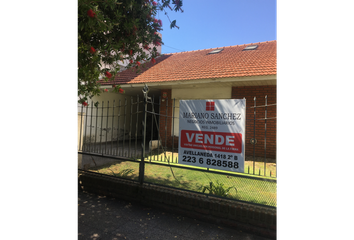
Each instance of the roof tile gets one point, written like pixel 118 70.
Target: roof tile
pixel 193 65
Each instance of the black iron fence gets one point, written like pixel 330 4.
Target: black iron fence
pixel 135 138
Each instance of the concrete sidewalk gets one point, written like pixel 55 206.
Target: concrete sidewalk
pixel 108 218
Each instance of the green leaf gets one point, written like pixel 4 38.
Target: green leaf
pixel 80 26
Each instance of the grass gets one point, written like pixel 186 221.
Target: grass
pixel 249 165
pixel 245 189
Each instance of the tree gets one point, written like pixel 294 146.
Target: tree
pixel 110 31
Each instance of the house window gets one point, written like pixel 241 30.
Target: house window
pixel 252 47
pixel 216 51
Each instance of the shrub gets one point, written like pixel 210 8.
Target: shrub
pixel 218 189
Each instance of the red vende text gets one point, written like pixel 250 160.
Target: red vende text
pixel 215 141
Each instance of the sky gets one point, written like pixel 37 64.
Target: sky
pixel 210 24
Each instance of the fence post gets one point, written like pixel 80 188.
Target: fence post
pixel 118 126
pixel 158 130
pixel 91 124
pixel 265 135
pixel 173 126
pixel 130 127
pixel 80 136
pixel 105 148
pixel 136 128
pixel 114 104
pixel 95 146
pixel 85 127
pixel 124 126
pixel 254 133
pixel 166 116
pixel 142 161
pixel 152 125
pixel 101 151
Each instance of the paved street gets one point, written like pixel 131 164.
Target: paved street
pixel 108 218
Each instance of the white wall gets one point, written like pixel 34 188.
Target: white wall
pixel 111 129
pixel 194 94
pixel 202 93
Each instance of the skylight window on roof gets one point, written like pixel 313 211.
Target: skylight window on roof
pixel 216 51
pixel 252 47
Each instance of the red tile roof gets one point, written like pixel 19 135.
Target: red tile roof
pixel 231 62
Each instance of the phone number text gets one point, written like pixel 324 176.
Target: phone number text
pixel 212 162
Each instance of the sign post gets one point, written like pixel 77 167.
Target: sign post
pixel 212 134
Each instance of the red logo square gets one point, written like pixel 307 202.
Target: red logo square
pixel 210 106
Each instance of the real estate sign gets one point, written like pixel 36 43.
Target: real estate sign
pixel 212 133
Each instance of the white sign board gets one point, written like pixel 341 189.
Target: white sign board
pixel 212 133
